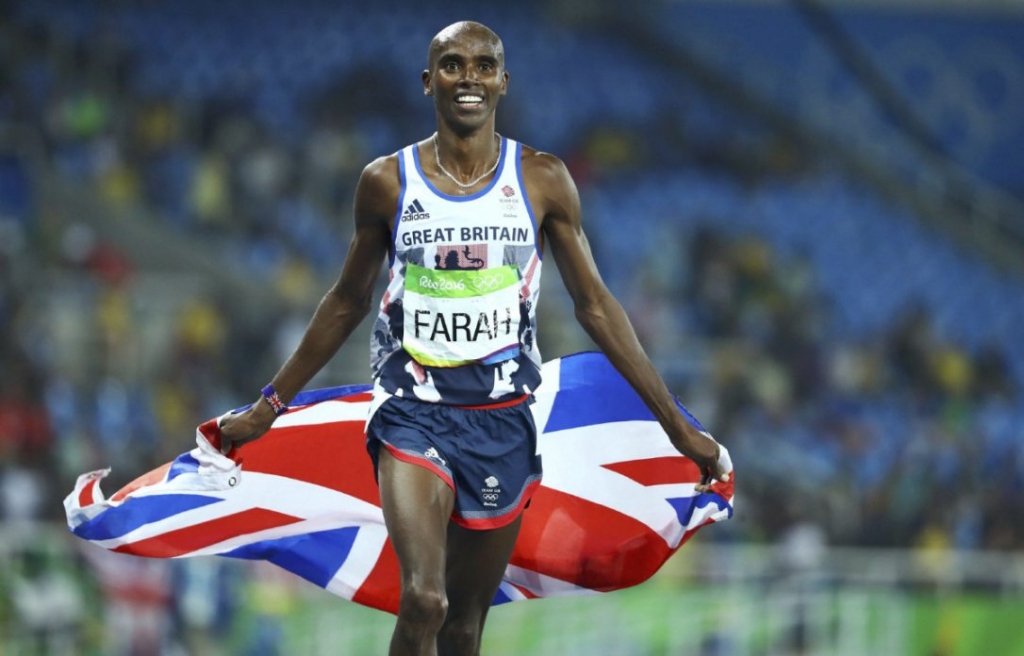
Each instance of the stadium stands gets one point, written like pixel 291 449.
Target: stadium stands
pixel 244 125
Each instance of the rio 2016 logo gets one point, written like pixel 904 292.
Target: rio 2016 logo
pixel 442 285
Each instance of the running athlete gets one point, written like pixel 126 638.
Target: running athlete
pixel 462 218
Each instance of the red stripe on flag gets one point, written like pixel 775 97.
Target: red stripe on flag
pixel 382 587
pixel 149 478
pixel 331 455
pixel 725 490
pixel 197 536
pixel 85 496
pixel 585 543
pixel 658 471
pixel 528 279
pixel 526 593
pixel 211 431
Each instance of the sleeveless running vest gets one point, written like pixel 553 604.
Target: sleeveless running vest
pixel 457 324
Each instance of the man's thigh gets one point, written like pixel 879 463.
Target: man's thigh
pixel 416 504
pixel 476 562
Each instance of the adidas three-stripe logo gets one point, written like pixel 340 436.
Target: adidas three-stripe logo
pixel 415 212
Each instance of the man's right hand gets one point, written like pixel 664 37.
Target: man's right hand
pixel 244 427
pixel 718 470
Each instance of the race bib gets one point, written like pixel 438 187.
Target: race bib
pixel 458 317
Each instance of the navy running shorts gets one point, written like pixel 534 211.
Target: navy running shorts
pixel 487 455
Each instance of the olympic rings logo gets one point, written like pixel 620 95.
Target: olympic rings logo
pixel 487 283
pixel 490 497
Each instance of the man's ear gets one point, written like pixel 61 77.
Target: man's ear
pixel 427 91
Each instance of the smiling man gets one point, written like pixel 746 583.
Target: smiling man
pixel 462 218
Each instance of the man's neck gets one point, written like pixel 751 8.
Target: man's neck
pixel 473 149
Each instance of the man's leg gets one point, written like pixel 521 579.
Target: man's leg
pixel 476 563
pixel 417 505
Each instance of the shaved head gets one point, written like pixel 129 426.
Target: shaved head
pixel 464 30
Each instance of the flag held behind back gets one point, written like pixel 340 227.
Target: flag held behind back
pixel 617 500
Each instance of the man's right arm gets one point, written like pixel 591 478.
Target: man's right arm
pixel 342 308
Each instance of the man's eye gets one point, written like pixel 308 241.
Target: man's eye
pixel 451 66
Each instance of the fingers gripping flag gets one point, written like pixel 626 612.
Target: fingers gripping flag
pixel 616 501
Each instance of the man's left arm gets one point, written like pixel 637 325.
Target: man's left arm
pixel 601 315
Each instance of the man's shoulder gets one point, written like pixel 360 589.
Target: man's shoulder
pixel 379 187
pixel 386 168
pixel 544 171
pixel 382 171
pixel 540 165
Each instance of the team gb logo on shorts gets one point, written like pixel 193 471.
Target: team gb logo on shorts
pixel 490 481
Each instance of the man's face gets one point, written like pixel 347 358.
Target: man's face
pixel 466 75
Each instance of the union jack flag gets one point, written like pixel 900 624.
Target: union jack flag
pixel 616 500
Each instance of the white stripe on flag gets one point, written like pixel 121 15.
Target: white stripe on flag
pixel 290 497
pixel 324 413
pixel 543 585
pixel 545 394
pixel 362 558
pixel 590 447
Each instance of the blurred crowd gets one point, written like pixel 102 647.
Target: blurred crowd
pixel 276 206
pixel 212 173
pixel 877 442
pixel 892 440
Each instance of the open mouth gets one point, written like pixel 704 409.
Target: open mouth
pixel 469 100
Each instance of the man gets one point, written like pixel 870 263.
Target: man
pixel 462 218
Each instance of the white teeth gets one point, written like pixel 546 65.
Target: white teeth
pixel 469 99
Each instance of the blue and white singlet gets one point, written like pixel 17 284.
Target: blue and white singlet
pixel 457 324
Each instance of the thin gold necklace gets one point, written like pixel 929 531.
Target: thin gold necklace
pixel 466 185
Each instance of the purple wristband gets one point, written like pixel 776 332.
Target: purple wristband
pixel 273 400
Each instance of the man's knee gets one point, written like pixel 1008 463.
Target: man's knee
pixel 423 604
pixel 462 632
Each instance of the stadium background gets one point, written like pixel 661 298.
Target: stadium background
pixel 811 210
